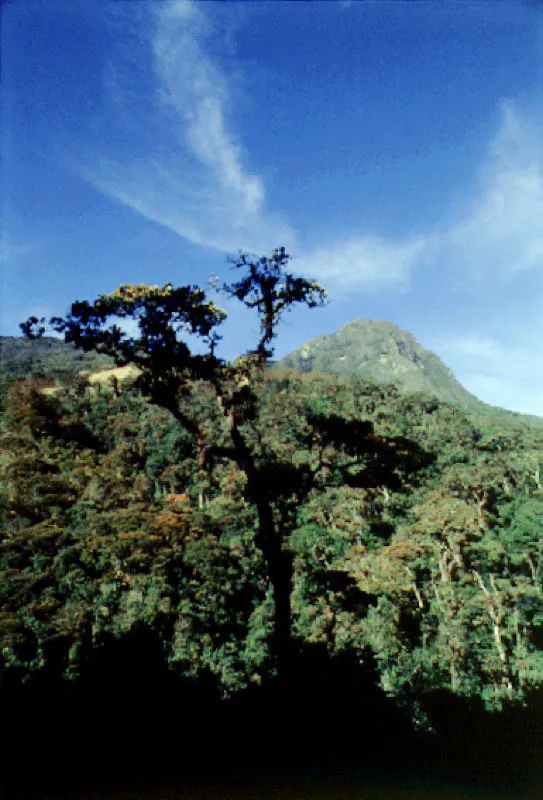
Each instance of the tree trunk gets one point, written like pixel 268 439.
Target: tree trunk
pixel 269 538
pixel 279 563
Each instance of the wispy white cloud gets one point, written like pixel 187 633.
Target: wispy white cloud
pixel 498 372
pixel 500 233
pixel 190 208
pixel 497 234
pixel 202 191
pixel 195 87
pixel 367 263
pixel 494 251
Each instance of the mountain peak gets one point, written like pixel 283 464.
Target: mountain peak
pixel 381 351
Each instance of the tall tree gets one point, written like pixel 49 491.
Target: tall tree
pixel 160 317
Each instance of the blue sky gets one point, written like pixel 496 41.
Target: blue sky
pixel 394 148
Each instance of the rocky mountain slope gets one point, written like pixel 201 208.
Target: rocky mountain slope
pixel 380 351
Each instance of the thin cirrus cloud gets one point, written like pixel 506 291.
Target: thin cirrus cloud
pixel 197 90
pixel 203 192
pixel 209 197
pixel 500 234
pixel 496 252
pixel 503 374
pixel 497 234
pixel 367 263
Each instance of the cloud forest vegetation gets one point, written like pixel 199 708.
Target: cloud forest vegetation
pixel 245 515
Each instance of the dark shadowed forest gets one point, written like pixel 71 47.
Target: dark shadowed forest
pixel 221 567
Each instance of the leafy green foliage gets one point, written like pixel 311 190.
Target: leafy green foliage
pixel 203 498
pixel 269 288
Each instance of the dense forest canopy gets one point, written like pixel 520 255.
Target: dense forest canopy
pixel 244 514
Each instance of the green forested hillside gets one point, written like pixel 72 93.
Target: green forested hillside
pixel 21 357
pixel 373 350
pixel 246 516
pixel 48 357
pixel 414 536
pixel 380 351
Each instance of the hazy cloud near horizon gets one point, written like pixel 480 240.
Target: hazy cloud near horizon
pixel 502 373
